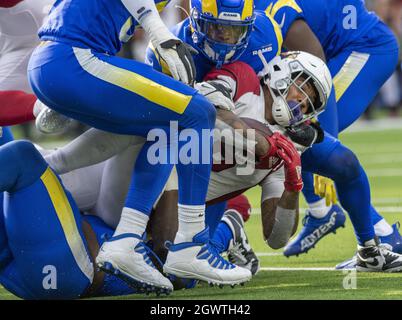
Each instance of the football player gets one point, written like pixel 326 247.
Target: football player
pixel 308 83
pixel 213 29
pixel 362 53
pixel 76 72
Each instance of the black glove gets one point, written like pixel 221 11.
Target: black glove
pixel 306 134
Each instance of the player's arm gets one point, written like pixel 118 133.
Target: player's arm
pixel 301 38
pixel 92 147
pixel 280 198
pixel 296 34
pixel 176 54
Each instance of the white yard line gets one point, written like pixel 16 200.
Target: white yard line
pixel 268 254
pixel 375 125
pixel 389 172
pixel 379 209
pixel 297 269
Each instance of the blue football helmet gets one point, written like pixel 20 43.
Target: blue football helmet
pixel 221 28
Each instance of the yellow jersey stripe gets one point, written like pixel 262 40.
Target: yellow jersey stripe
pixel 348 73
pixel 161 5
pixel 285 3
pixel 278 34
pixel 131 81
pixel 123 36
pixel 66 217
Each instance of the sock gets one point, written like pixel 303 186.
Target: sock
pixel 213 216
pixel 132 221
pixel 382 228
pixel 191 222
pixel 318 209
pixel 223 235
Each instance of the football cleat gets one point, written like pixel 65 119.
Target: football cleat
pixel 347 264
pixel 201 260
pixel 377 258
pixel 49 121
pixel 240 252
pixel 392 242
pixel 314 230
pixel 127 257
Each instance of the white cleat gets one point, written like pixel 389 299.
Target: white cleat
pixel 126 257
pixel 49 121
pixel 200 260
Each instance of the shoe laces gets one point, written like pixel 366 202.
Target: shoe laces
pixel 211 251
pixel 384 250
pixel 147 252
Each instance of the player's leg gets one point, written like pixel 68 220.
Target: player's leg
pixel 43 228
pixel 335 161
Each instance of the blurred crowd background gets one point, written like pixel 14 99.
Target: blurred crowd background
pixel 388 103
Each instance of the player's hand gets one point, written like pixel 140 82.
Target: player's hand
pixel 271 160
pixel 292 164
pixel 178 57
pixel 216 93
pixel 325 188
pixel 306 134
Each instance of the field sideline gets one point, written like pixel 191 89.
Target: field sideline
pixel 310 276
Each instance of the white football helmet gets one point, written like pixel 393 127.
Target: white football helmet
pixel 282 72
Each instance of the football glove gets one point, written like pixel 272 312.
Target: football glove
pixel 178 57
pixel 271 160
pixel 306 134
pixel 292 165
pixel 325 188
pixel 216 93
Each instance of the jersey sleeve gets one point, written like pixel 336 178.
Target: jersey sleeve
pixel 239 77
pixel 284 12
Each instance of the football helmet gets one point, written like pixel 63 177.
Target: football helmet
pixel 296 68
pixel 221 28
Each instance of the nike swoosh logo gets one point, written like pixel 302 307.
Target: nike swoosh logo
pixel 283 21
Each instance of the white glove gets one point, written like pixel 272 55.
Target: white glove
pixel 176 54
pixel 178 57
pixel 216 93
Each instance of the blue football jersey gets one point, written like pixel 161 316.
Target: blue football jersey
pixel 101 25
pixel 336 23
pixel 266 36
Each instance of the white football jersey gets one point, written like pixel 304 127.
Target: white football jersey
pixel 249 103
pixel 19 27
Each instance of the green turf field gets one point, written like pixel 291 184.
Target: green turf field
pixel 381 154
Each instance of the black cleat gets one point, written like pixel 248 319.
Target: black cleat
pixel 378 258
pixel 240 252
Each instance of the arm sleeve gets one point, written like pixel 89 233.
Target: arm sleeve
pixel 147 15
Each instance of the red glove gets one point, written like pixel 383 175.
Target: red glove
pixel 241 205
pixel 271 159
pixel 292 164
